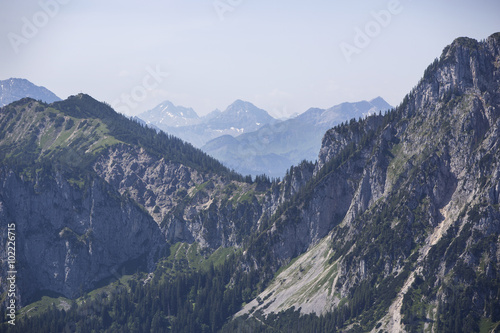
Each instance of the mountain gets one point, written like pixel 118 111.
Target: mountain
pixel 398 228
pixel 273 148
pixel 167 115
pixel 15 89
pixel 239 117
pixel 342 112
pixel 395 228
pixel 91 191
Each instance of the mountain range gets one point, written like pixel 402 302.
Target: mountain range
pixel 239 117
pixel 274 147
pixel 243 137
pixel 249 140
pixel 395 227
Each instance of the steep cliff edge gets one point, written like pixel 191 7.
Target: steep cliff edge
pixel 68 239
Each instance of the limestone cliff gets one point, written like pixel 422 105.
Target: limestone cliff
pixel 67 238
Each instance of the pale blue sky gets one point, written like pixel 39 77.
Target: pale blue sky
pixel 283 56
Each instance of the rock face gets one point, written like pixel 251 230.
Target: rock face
pixel 409 202
pixel 68 239
pixel 188 205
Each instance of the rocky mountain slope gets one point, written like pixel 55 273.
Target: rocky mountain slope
pixel 90 190
pixel 15 89
pixel 401 218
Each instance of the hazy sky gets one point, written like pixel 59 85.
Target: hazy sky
pixel 283 56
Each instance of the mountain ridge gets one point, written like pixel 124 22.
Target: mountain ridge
pixel 239 117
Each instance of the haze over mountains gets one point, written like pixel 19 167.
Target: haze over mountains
pixel 249 140
pixel 168 115
pixel 395 228
pixel 239 117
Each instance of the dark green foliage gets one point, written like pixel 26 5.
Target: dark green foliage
pixel 58 121
pixel 69 124
pixel 194 302
pixel 290 321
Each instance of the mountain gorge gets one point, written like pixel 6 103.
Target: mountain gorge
pixel 396 227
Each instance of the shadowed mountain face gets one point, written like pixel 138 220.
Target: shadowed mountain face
pixel 15 89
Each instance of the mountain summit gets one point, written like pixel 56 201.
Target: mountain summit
pixel 167 115
pixel 15 89
pixel 240 116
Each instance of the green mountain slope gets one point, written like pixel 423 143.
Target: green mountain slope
pixel 33 131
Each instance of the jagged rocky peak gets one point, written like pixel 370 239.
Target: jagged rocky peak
pixel 242 113
pixel 466 65
pixel 240 106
